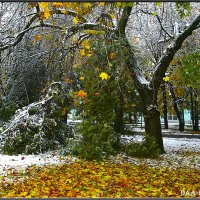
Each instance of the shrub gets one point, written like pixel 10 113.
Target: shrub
pixel 38 127
pixel 98 140
pixel 7 111
pixel 146 149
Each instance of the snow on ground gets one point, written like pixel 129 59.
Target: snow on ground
pixel 177 144
pixel 170 144
pixel 168 131
pixel 180 152
pixel 23 161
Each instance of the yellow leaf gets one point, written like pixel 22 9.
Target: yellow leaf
pixel 87 5
pixel 77 9
pixel 86 44
pixel 170 193
pixel 75 66
pixel 81 78
pixel 166 78
pixel 44 5
pixel 89 54
pixel 67 80
pixel 103 76
pixel 92 32
pixel 82 52
pixel 64 12
pixel 57 4
pixel 64 111
pixel 112 16
pixel 107 177
pixel 101 4
pixel 102 32
pixel 47 13
pixel 68 180
pixel 23 194
pixel 113 56
pixel 75 20
pixel 74 40
pixel 118 4
pixel 67 5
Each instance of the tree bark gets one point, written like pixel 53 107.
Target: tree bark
pixel 119 116
pixel 153 126
pixel 179 112
pixel 164 105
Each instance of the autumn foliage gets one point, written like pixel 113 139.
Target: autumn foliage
pixel 100 179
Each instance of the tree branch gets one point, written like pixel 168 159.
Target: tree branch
pixel 159 21
pixel 71 13
pixel 91 26
pixel 164 62
pixel 123 21
pixel 21 34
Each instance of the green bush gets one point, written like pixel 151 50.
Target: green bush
pixel 98 140
pixel 146 149
pixel 7 111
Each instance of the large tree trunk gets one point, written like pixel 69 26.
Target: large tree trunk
pixel 152 116
pixel 179 112
pixel 153 126
pixel 164 105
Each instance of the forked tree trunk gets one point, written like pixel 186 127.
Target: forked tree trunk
pixel 152 117
pixel 144 87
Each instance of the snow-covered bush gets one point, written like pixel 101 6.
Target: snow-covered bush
pixel 40 126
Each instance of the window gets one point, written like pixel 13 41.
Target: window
pixel 169 117
pixel 172 117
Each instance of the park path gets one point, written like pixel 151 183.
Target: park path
pixel 169 133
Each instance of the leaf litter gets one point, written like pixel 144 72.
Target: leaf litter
pixel 52 175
